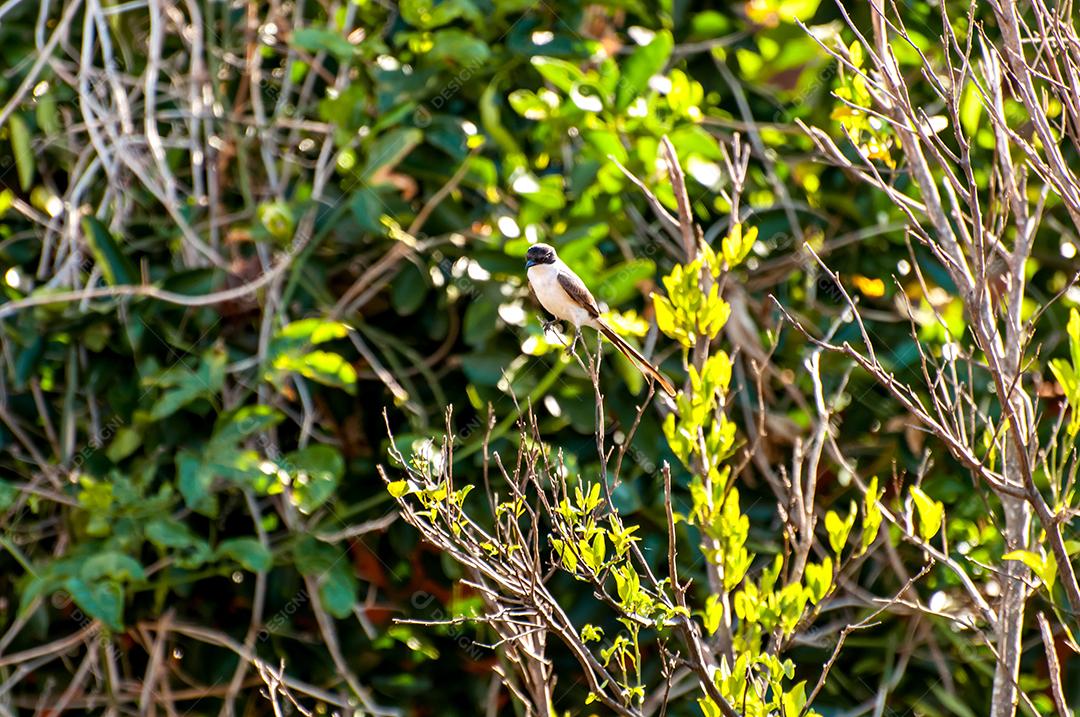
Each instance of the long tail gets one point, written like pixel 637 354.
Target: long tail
pixel 631 353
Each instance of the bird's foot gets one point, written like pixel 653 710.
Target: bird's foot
pixel 573 344
pixel 549 325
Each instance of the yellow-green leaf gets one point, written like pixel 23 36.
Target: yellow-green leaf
pixel 1044 567
pixel 929 512
pixel 714 612
pixel 737 244
pixel 398 488
pixel 667 322
pixel 839 529
pixel 871 515
pixel 819 579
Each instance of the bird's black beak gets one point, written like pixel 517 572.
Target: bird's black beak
pixel 530 262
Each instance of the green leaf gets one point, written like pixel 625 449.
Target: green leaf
pixel 103 601
pixel 389 149
pixel 194 480
pixel 621 283
pixel 170 533
pixel 529 105
pixel 856 54
pixel 114 264
pixel 1044 567
pixel 454 46
pixel 929 512
pixel 627 584
pixel 313 556
pixel 587 557
pixel 709 708
pixel 607 144
pixel 29 358
pixel 324 367
pixel 47 115
pixel 693 139
pixel 316 472
pixel 7 198
pixel 398 488
pixel 337 589
pixel 491 119
pixel 175 538
pixel 1064 374
pixel 789 11
pixel 111 564
pixel 645 62
pixel 716 374
pixel 566 555
pixel 838 529
pixel 248 552
pixel 737 244
pixel 316 40
pixel 333 571
pixel 546 191
pixel 234 426
pixel 485 368
pixel 667 321
pixel 368 208
pixel 1073 330
pixel 871 515
pixel 714 612
pixel 481 321
pixel 715 314
pixel 792 604
pixel 564 75
pixel 23 151
pixel 955 704
pixel 277 218
pixel 409 291
pixel 428 14
pixel 8 494
pixel 819 579
pixel 971 109
pixel 184 385
pixel 35 586
pixel 795 699
pixel 124 443
pixel 599 547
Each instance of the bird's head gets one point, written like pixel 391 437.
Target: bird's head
pixel 539 254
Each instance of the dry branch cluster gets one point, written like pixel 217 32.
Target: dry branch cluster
pixel 983 237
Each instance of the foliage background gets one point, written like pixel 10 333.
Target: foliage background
pixel 175 474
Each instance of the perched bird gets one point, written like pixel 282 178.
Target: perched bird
pixel 564 295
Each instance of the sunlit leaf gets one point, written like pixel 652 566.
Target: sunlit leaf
pixel 930 513
pixel 642 64
pixel 316 472
pixel 1043 566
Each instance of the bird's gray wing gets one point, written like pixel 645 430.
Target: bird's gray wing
pixel 576 290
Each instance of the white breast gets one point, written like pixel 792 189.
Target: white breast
pixel 544 279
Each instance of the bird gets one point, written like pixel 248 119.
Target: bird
pixel 564 295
